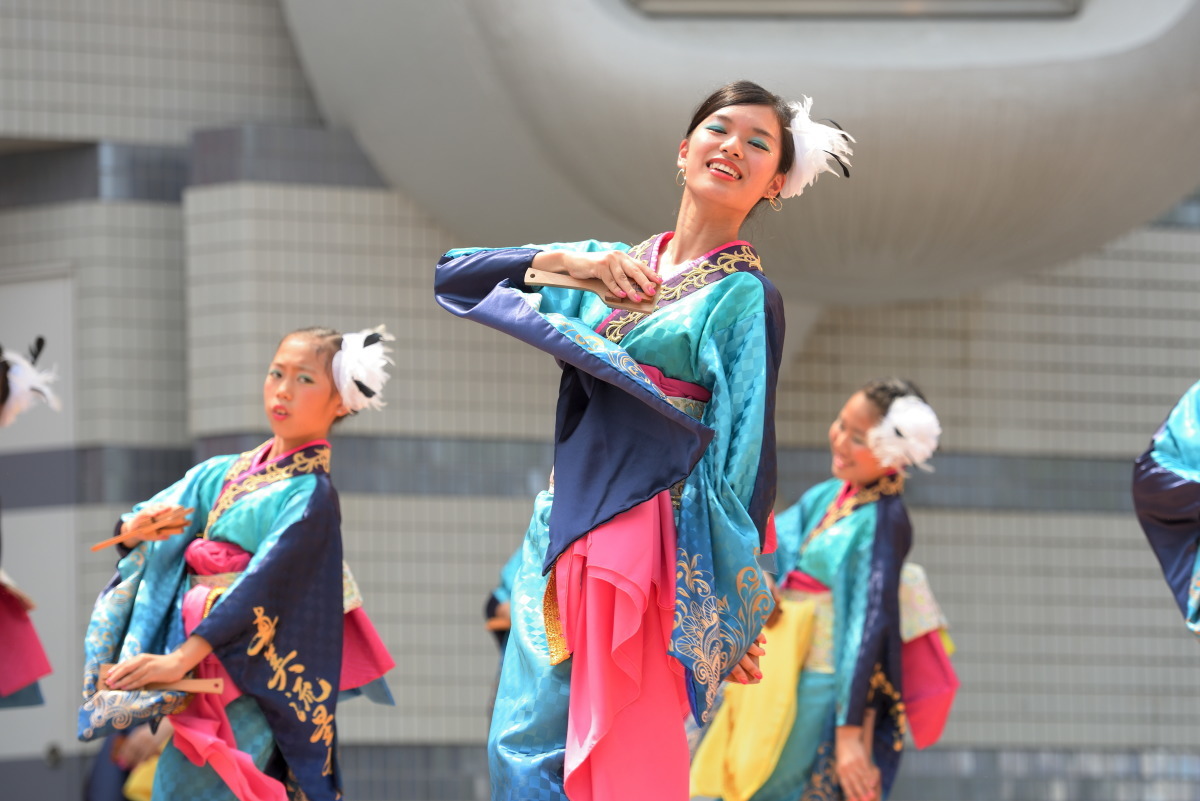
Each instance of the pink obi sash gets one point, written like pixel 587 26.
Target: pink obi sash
pixel 615 592
pixel 673 387
pixel 800 581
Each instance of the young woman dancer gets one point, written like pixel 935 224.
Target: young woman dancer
pixel 638 589
pixel 251 589
pixel 832 716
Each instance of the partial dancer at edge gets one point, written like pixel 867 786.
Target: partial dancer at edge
pixel 638 589
pixel 1166 496
pixel 24 660
pixel 252 590
pixel 830 718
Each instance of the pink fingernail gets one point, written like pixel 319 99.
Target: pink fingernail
pixel 650 290
pixel 620 293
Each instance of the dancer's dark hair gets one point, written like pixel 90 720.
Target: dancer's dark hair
pixel 748 93
pixel 882 391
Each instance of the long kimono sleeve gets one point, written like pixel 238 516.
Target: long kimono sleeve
pixel 598 466
pixel 1166 496
pixel 278 631
pixel 727 498
pixel 867 639
pixel 466 276
pixel 140 609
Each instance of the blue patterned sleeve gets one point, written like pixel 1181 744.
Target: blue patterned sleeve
pixel 729 494
pixel 466 275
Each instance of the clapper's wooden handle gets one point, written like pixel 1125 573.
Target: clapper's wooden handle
pixel 595 285
pixel 183 685
pixel 173 520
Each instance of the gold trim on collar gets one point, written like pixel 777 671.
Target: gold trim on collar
pixel 302 462
pixel 696 277
pixel 888 485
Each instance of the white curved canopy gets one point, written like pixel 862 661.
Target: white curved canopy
pixel 985 148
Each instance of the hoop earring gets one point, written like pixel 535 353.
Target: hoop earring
pixel 680 177
pixel 776 203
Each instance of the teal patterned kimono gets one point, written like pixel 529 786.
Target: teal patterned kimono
pixel 276 629
pixel 620 441
pixel 858 556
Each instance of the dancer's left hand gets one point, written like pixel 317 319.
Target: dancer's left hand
pixel 746 671
pixel 143 669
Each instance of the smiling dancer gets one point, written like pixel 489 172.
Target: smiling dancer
pixel 639 590
pixel 833 716
pixel 251 589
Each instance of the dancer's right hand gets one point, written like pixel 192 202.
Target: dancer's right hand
pixel 746 671
pixel 858 777
pixel 145 519
pixel 623 275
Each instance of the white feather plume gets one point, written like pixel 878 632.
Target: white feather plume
pixel 817 145
pixel 26 385
pixel 907 435
pixel 359 365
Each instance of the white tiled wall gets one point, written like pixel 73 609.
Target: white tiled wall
pixel 133 71
pixel 426 566
pixel 267 259
pixel 1083 360
pixel 126 265
pixel 1066 633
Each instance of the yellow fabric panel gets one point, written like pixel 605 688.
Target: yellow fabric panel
pixel 743 744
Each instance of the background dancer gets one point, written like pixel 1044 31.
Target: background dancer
pixel 832 714
pixel 266 605
pixel 664 473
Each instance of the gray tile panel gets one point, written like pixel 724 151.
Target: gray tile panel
pixel 413 772
pixel 80 476
pixel 395 465
pixel 281 155
pixel 104 171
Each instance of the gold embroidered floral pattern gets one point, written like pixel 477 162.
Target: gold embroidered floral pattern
pixel 698 276
pixel 310 460
pixel 707 638
pixel 690 406
pixel 823 784
pixel 880 684
pixel 888 485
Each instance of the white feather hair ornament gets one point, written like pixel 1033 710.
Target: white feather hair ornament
pixel 816 145
pixel 360 368
pixel 907 435
pixel 26 383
